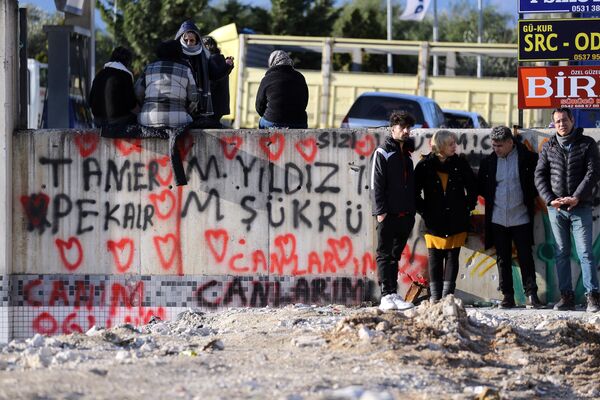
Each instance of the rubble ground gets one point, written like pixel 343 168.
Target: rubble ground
pixel 434 351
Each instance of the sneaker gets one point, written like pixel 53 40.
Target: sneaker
pixel 566 302
pixel 387 302
pixel 508 301
pixel 533 301
pixel 401 304
pixel 593 302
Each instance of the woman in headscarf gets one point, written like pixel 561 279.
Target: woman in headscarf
pixel 218 88
pixel 203 69
pixel 166 89
pixel 282 95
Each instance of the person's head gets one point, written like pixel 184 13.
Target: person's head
pixel 169 51
pixel 123 55
pixel 502 140
pixel 400 124
pixel 190 38
pixel 280 57
pixel 563 120
pixel 443 144
pixel 211 44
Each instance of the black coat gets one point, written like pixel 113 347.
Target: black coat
pixel 112 95
pixel 486 179
pixel 392 178
pixel 219 88
pixel 445 213
pixel 561 173
pixel 282 96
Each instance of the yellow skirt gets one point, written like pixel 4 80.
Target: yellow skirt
pixel 445 243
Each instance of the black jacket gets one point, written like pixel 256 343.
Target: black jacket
pixel 283 96
pixel 486 179
pixel 561 173
pixel 445 214
pixel 219 88
pixel 112 95
pixel 392 178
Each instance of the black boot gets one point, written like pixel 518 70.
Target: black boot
pixel 593 302
pixel 566 302
pixel 449 287
pixel 533 301
pixel 435 291
pixel 508 301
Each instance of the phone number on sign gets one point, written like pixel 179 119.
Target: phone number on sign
pixel 584 57
pixel 585 8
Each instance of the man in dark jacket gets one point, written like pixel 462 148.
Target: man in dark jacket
pixel 282 96
pixel 566 175
pixel 506 182
pixel 112 98
pixel 393 198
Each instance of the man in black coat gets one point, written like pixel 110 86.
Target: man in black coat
pixel 566 176
pixel 112 98
pixel 393 200
pixel 506 181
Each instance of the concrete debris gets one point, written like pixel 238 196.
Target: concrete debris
pixel 357 393
pixel 308 341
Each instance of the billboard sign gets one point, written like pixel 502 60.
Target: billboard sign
pixel 559 39
pixel 552 87
pixel 558 6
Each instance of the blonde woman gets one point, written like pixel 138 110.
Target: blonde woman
pixel 446 192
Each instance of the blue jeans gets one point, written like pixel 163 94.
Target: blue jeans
pixel 579 220
pixel 265 124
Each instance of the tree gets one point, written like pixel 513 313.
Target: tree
pixel 303 17
pixel 257 19
pixel 37 41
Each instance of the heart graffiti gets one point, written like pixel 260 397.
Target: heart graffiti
pixel 231 145
pixel 128 146
pixel 272 145
pixel 86 143
pixel 164 203
pixel 123 246
pixel 307 149
pixel 161 164
pixel 365 146
pixel 338 246
pixel 169 242
pixel 71 252
pixel 217 240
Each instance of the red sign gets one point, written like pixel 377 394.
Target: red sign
pixel 552 87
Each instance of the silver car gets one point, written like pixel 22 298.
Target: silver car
pixel 373 109
pixel 464 119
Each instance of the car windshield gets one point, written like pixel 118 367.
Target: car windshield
pixel 458 121
pixel 380 108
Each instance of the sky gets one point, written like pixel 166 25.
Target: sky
pixel 506 6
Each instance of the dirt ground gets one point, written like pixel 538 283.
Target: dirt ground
pixel 440 351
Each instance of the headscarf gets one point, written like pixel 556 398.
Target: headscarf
pixel 189 26
pixel 280 57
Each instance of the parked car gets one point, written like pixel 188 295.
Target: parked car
pixel 373 109
pixel 457 119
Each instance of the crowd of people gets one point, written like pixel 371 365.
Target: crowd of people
pixel 443 189
pixel 188 83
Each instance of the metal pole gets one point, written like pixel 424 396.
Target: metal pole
pixel 435 38
pixel 23 75
pixel 479 37
pixel 390 65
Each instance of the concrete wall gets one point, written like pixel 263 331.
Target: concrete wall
pixel 8 119
pixel 101 235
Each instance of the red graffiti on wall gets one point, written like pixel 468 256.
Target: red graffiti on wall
pixel 169 242
pixel 365 146
pixel 273 145
pixel 86 143
pixel 184 145
pixel 338 247
pixel 163 162
pixel 217 240
pixel 231 145
pixel 164 203
pixel 411 264
pixel 36 209
pixel 71 252
pixel 128 146
pixel 123 246
pixel 125 300
pixel 307 149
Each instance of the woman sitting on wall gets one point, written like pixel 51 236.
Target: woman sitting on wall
pixel 166 89
pixel 446 191
pixel 282 95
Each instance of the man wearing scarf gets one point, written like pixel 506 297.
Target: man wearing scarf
pixel 203 69
pixel 112 98
pixel 566 175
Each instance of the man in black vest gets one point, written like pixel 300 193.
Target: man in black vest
pixel 566 175
pixel 506 181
